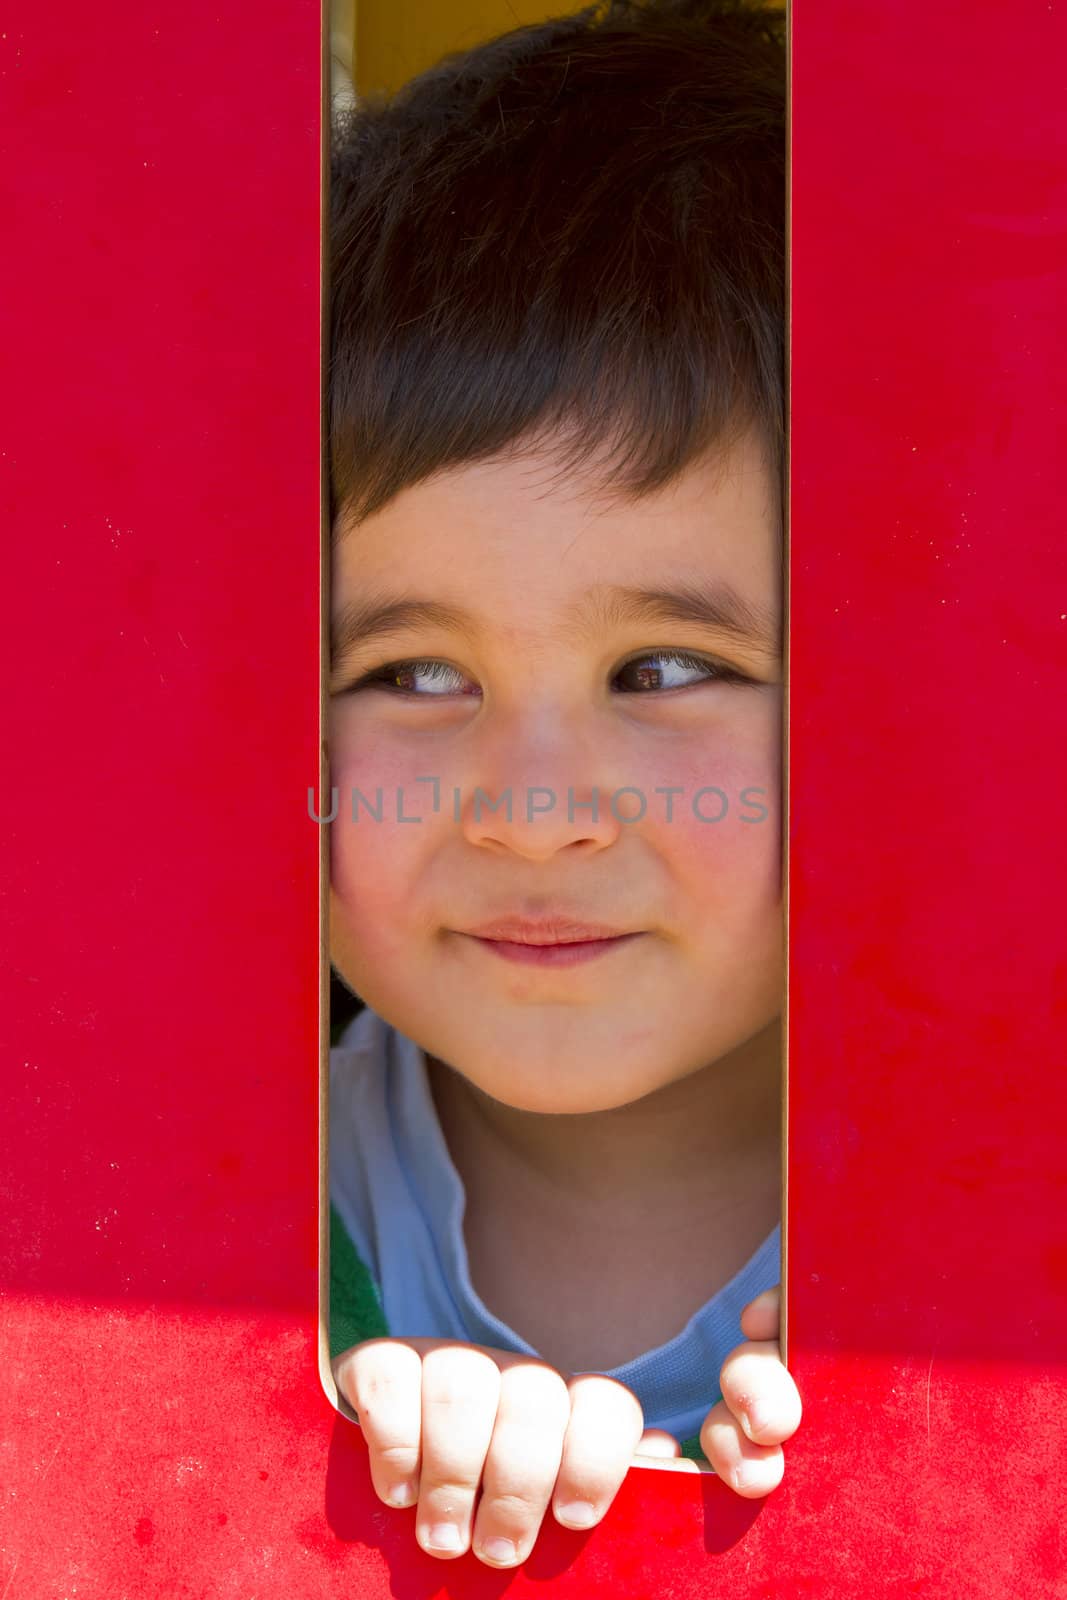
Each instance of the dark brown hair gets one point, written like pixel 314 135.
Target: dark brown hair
pixel 576 229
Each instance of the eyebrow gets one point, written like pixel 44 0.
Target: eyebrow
pixel 716 606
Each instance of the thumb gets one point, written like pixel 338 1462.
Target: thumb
pixel 760 1319
pixel 657 1442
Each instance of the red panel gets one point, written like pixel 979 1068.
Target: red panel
pixel 162 1425
pixel 927 1218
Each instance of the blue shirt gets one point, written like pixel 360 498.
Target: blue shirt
pixel 399 1195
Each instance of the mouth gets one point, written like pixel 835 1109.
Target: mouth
pixel 546 931
pixel 558 953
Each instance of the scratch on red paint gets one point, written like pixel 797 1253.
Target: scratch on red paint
pixel 11 1579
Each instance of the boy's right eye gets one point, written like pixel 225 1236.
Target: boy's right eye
pixel 397 677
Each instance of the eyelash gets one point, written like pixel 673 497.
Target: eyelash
pixel 378 677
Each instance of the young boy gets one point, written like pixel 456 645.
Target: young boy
pixel 557 419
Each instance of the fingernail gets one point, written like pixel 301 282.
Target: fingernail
pixel 579 1514
pixel 444 1536
pixel 402 1494
pixel 753 1423
pixel 499 1550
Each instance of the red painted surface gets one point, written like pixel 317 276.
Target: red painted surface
pixel 162 1427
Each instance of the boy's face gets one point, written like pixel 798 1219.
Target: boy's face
pixel 535 698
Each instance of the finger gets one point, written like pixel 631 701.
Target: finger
pixel 751 1470
pixel 460 1393
pixel 761 1317
pixel 761 1392
pixel 657 1442
pixel 522 1463
pixel 382 1381
pixel 606 1422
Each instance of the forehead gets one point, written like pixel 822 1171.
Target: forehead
pixel 517 530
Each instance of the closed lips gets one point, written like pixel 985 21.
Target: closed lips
pixel 557 932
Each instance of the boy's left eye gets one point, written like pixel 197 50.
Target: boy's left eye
pixel 397 677
pixel 656 678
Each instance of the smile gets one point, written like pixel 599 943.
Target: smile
pixel 553 955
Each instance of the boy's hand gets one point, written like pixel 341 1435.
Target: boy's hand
pixel 443 1419
pixel 743 1432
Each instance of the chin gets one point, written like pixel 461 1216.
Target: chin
pixel 581 1094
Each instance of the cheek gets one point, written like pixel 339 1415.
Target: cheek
pixel 724 837
pixel 723 847
pixel 374 856
pixel 728 875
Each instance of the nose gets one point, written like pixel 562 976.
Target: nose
pixel 536 794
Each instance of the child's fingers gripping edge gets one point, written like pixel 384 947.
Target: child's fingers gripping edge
pixel 751 1470
pixel 658 1444
pixel 460 1396
pixel 382 1381
pixel 761 1317
pixel 761 1392
pixel 606 1423
pixel 523 1461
